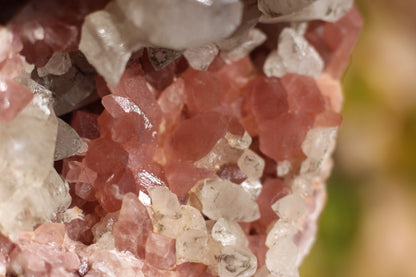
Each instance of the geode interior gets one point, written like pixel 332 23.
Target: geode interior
pixel 179 138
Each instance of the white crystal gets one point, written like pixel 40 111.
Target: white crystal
pixel 237 261
pixel 191 246
pixel 317 146
pixel 222 198
pixel 31 191
pixel 201 57
pixel 303 185
pixel 273 8
pixel 174 225
pixel 283 168
pixel 239 142
pixel 164 201
pixel 163 23
pixel 105 260
pixel 327 10
pixel 251 164
pixel 291 207
pixel 281 257
pixel 107 41
pixel 68 142
pixel 281 228
pixel 254 38
pixel 252 187
pixel 58 64
pixel 274 65
pixel 229 233
pixel 294 55
pixel 220 154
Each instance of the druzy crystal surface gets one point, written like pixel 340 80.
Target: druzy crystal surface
pixel 168 138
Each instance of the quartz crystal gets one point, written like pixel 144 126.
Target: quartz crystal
pixel 162 21
pixel 193 138
pixel 294 55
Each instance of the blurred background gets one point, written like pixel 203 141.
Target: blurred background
pixel 368 228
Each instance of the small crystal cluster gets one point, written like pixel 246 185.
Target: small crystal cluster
pixel 194 137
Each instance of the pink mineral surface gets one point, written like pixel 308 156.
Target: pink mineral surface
pixel 183 172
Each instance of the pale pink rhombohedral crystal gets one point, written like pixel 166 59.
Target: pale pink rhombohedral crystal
pixel 167 138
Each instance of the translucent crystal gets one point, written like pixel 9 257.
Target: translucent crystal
pixel 160 57
pixel 303 185
pixel 163 24
pixel 294 55
pixel 328 10
pixel 220 154
pixel 200 57
pixel 191 245
pixel 58 64
pixel 254 38
pixel 164 201
pixel 318 145
pixel 104 260
pixel 229 233
pixel 107 41
pixel 239 142
pixel 237 261
pixel 290 207
pixel 71 90
pixel 160 251
pixel 281 257
pixel 283 168
pixel 31 189
pixel 251 164
pixel 281 229
pixel 106 224
pixel 273 8
pixel 253 187
pixel 133 226
pixel 221 198
pixel 68 142
pixel 173 226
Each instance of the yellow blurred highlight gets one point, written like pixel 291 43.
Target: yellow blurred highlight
pixel 368 228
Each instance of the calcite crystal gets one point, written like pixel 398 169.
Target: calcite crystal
pixel 186 138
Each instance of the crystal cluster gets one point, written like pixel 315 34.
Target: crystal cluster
pixel 194 137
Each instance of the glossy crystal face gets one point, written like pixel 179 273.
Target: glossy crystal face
pixel 168 138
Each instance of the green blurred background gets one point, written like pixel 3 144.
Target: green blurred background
pixel 368 228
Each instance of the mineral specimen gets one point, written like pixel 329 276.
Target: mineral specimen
pixel 192 140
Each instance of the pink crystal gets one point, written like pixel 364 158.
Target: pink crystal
pixel 133 226
pixel 160 251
